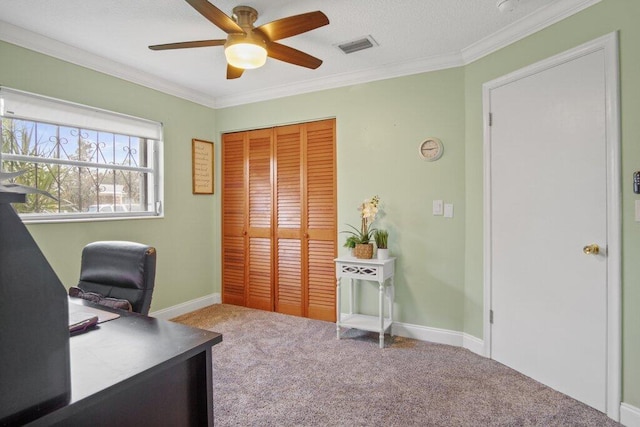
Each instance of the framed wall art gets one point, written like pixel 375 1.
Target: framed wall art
pixel 202 161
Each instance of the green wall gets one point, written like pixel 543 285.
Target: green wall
pixel 184 238
pixel 379 127
pixel 439 277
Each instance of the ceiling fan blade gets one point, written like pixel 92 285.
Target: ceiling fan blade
pixel 293 56
pixel 216 16
pixel 293 25
pixel 183 45
pixel 233 72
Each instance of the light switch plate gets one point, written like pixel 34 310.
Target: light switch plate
pixel 448 210
pixel 437 207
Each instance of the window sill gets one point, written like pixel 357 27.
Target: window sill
pixel 97 218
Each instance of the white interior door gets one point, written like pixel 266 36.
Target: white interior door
pixel 549 177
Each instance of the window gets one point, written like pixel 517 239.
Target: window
pixel 95 163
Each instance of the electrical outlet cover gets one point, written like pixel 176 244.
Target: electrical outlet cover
pixel 448 210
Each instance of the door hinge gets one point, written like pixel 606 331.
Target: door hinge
pixel 490 316
pixel 490 119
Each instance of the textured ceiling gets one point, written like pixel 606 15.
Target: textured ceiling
pixel 413 36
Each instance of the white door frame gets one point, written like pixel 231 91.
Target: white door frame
pixel 609 45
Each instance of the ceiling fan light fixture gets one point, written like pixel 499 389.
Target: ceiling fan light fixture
pixel 245 53
pixel 247 46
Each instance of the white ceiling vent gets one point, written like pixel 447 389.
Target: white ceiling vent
pixel 356 45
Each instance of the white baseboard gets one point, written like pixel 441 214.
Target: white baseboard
pixel 440 336
pixel 407 330
pixel 425 333
pixel 187 307
pixel 629 415
pixel 473 344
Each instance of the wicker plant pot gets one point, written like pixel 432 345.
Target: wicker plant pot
pixel 363 250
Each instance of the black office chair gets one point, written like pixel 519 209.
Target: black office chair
pixel 117 270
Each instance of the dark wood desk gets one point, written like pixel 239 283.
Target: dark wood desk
pixel 138 371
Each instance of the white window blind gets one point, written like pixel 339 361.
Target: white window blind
pixel 28 106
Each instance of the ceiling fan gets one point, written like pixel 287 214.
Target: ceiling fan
pixel 247 46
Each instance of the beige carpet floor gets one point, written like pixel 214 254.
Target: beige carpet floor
pixel 278 370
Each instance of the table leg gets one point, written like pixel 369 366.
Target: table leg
pixel 392 297
pixel 381 313
pixel 338 308
pixel 351 296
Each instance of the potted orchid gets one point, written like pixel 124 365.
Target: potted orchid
pixel 361 238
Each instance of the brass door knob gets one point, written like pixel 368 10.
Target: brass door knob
pixel 591 249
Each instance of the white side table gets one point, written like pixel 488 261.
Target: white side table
pixel 376 270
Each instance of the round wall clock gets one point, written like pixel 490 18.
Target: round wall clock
pixel 431 149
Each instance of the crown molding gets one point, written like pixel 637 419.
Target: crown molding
pixel 518 30
pixel 45 45
pixel 341 80
pixel 539 20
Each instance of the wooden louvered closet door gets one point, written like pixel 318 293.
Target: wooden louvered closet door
pixel 289 265
pixel 233 219
pixel 320 219
pixel 289 259
pixel 259 286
